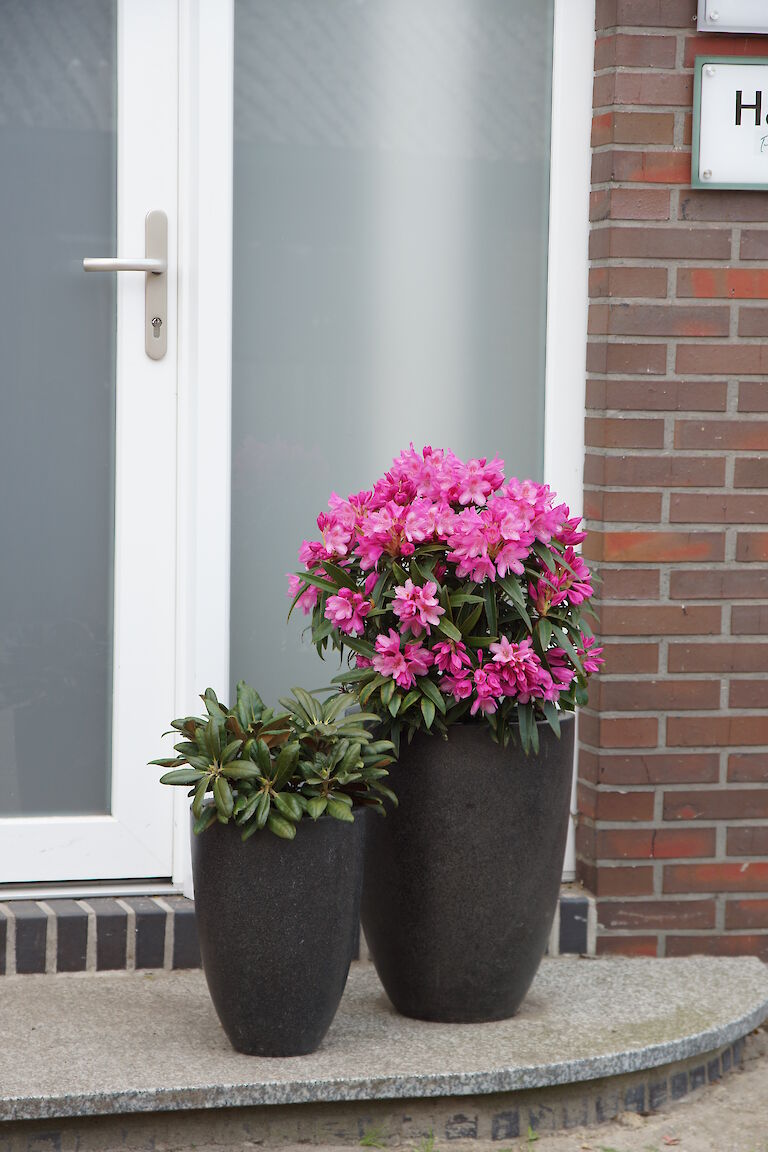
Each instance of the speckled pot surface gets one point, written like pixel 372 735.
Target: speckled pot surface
pixel 277 921
pixel 463 877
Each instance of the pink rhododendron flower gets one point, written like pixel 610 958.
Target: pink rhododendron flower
pixel 347 611
pixel 570 583
pixel 591 657
pixel 568 532
pixel 495 540
pixel 460 687
pixel 451 656
pixel 418 658
pixel 389 660
pixel 434 521
pixel 488 689
pixel 521 671
pixel 308 599
pixel 560 668
pixel 476 480
pixel 383 531
pixel 417 607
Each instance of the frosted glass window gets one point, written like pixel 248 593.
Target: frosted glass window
pixel 390 260
pixel 57 204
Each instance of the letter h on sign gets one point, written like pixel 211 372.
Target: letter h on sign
pixel 757 107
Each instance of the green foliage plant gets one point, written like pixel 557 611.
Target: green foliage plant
pixel 262 769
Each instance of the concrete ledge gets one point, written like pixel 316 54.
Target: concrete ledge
pixel 86 1045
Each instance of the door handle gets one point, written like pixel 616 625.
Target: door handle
pixel 155 265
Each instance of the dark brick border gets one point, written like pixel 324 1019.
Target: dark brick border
pixel 135 932
pixel 497 1117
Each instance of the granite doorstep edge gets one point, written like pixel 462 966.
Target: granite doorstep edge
pixel 338 1090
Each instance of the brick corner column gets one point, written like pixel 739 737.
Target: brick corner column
pixel 673 763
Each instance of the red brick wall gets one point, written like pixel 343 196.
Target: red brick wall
pixel 673 793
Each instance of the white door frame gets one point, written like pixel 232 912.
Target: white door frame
pixel 133 841
pixel 196 628
pixel 205 327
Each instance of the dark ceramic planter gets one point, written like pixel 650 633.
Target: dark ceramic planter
pixel 462 878
pixel 277 921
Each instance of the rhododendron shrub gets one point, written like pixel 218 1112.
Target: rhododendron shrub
pixel 456 594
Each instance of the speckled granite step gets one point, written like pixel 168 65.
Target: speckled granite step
pixel 140 1057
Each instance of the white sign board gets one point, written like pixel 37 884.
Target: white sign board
pixel 730 123
pixel 732 16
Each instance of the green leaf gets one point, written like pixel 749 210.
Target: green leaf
pixel 354 676
pixel 241 770
pixel 448 629
pixel 249 706
pixel 362 647
pixel 334 706
pixel 206 818
pixel 260 754
pixel 200 791
pixel 427 711
pixel 410 699
pixel 545 556
pixel 394 703
pixel 544 628
pixel 262 809
pixel 526 722
pixel 472 618
pixel 212 706
pixel 491 613
pixel 480 641
pixel 285 765
pixel 342 578
pixel 351 757
pixel 182 776
pixel 459 598
pixel 457 711
pixel 317 582
pixel 282 828
pixel 382 788
pixel 432 692
pixel 563 640
pixel 515 593
pixel 316 806
pixel 248 809
pixel 171 761
pixel 379 588
pixel 288 805
pixel 322 631
pixel 222 794
pixel 552 715
pixel 387 691
pixel 308 703
pixel 231 750
pixel 340 811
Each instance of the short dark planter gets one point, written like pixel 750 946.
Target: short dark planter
pixel 462 879
pixel 277 921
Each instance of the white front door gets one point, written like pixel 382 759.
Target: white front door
pixel 88 146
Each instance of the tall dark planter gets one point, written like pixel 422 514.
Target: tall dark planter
pixel 462 879
pixel 277 921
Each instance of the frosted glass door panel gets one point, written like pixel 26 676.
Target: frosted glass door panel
pixel 390 242
pixel 57 332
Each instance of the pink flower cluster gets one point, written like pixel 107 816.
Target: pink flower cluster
pixel 515 671
pixel 403 666
pixel 435 525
